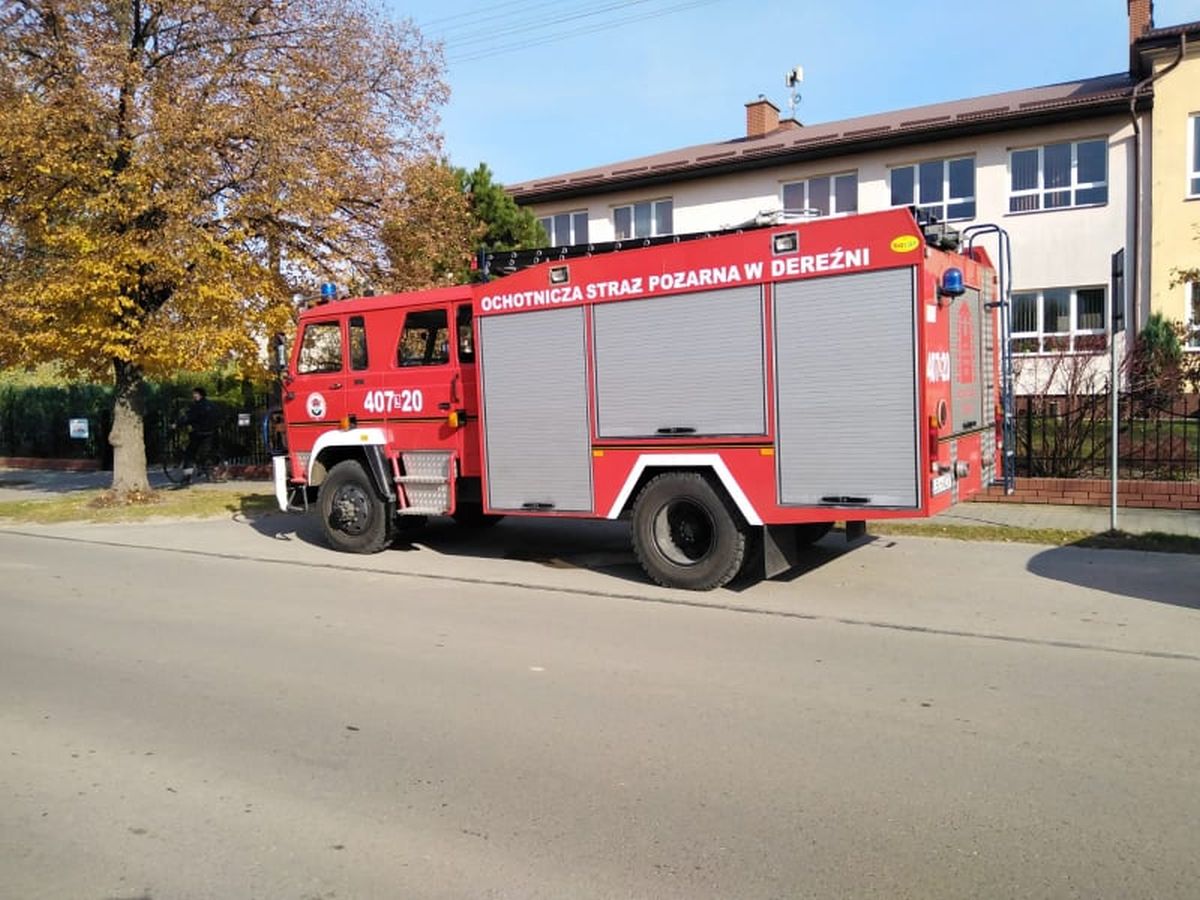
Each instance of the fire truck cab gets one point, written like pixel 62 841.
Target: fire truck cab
pixel 733 395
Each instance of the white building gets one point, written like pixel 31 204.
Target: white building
pixel 1052 165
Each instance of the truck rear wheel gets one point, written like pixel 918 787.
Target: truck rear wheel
pixel 686 533
pixel 353 517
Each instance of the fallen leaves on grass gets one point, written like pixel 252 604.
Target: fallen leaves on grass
pixel 110 499
pixel 107 506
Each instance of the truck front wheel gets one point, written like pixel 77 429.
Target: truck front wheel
pixel 353 517
pixel 686 533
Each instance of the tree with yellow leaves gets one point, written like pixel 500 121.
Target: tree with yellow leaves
pixel 173 171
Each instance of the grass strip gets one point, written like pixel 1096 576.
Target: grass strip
pixel 1153 541
pixel 103 506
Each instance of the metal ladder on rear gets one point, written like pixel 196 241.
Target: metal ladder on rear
pixel 424 482
pixel 1004 304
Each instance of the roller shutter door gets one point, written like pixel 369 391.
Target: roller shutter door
pixel 534 381
pixel 968 341
pixel 686 364
pixel 846 384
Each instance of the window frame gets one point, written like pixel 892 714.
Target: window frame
pixel 356 364
pixel 1078 340
pixel 341 347
pixel 1075 186
pixel 428 359
pixel 947 200
pixel 632 207
pixel 832 178
pixel 547 223
pixel 1193 157
pixel 1191 299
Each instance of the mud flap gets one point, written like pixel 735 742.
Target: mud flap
pixel 780 550
pixel 279 469
pixel 855 531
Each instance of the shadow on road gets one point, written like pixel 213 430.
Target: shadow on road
pixel 1159 577
pixel 600 546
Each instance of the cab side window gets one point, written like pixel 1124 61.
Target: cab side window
pixel 358 343
pixel 466 338
pixel 321 349
pixel 425 340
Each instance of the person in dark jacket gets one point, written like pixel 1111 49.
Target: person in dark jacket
pixel 201 418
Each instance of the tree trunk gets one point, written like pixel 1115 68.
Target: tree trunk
pixel 128 430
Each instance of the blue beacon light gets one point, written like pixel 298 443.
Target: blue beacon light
pixel 952 283
pixel 328 291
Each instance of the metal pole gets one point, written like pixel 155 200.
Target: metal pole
pixel 1116 325
pixel 1115 390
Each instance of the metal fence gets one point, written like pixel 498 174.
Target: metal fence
pixel 1071 437
pixel 35 421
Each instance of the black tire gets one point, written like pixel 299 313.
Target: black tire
pixel 471 515
pixel 173 468
pixel 353 516
pixel 686 532
pixel 811 532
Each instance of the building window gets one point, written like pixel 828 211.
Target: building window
pixel 1059 320
pixel 829 195
pixel 1193 311
pixel 647 219
pixel 1194 156
pixel 566 228
pixel 1058 176
pixel 943 187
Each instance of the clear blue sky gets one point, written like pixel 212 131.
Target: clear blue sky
pixel 681 74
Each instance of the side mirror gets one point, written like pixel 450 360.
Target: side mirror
pixel 281 356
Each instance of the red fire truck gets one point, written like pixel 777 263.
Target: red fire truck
pixel 733 395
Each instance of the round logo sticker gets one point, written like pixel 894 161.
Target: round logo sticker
pixel 316 405
pixel 906 243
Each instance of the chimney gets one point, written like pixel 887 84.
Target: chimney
pixel 762 117
pixel 1141 18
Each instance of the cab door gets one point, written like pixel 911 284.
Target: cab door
pixel 316 397
pixel 362 380
pixel 422 384
pixel 468 400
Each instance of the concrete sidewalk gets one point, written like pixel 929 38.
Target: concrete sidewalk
pixel 43 484
pixel 28 484
pixel 1070 518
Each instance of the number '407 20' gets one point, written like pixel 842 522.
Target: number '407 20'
pixel 394 401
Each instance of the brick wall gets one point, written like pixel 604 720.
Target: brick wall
pixel 1095 492
pixel 64 465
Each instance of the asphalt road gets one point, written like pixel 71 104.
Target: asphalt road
pixel 226 710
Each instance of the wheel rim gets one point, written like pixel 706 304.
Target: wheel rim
pixel 350 510
pixel 684 532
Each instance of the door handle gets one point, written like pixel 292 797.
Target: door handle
pixel 336 386
pixel 358 381
pixel 443 406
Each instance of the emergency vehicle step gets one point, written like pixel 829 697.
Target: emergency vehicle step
pixel 426 482
pixel 420 479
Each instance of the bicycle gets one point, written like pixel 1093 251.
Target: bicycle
pixel 208 465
